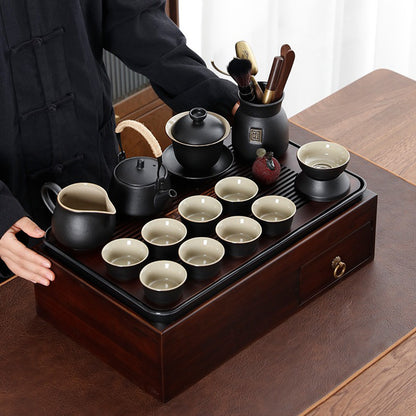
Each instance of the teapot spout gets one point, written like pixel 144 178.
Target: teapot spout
pixel 162 197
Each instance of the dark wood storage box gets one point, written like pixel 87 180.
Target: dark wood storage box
pixel 164 356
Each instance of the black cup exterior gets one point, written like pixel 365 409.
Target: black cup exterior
pixel 202 273
pixel 240 249
pixel 200 229
pixel 322 174
pixel 197 158
pixel 124 274
pixel 275 229
pixel 82 230
pixel 163 252
pixel 237 207
pixel 163 297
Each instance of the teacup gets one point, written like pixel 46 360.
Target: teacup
pixel 239 235
pixel 323 160
pixel 200 213
pixel 124 258
pixel 274 213
pixel 163 237
pixel 236 194
pixel 202 257
pixel 162 281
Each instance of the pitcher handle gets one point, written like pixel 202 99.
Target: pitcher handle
pixel 48 187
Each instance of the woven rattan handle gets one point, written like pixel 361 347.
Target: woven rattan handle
pixel 144 131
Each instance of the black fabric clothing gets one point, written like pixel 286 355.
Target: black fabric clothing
pixel 56 118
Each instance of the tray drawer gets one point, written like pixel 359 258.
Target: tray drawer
pixel 337 260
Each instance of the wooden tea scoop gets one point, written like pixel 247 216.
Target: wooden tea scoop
pixel 284 50
pixel 274 77
pixel 284 75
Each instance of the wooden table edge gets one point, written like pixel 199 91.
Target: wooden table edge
pixel 8 280
pixel 358 373
pixel 357 154
pixel 394 345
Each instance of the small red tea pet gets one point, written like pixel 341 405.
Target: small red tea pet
pixel 266 169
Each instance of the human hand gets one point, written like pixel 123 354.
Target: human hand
pixel 21 260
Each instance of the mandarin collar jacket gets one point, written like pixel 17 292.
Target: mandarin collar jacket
pixel 56 118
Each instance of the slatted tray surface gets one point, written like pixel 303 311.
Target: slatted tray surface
pixel 309 215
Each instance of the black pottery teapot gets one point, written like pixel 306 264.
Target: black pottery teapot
pixel 140 186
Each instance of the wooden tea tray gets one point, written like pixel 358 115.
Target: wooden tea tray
pixel 309 216
pixel 165 351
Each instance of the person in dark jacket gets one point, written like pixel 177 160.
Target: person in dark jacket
pixel 56 118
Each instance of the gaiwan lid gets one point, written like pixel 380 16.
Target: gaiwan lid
pixel 198 127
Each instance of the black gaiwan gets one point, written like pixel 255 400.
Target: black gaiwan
pixel 197 138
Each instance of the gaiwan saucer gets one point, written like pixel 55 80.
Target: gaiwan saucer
pixel 320 190
pixel 175 168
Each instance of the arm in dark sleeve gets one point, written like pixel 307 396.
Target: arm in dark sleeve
pixel 10 209
pixel 146 40
pixel 10 212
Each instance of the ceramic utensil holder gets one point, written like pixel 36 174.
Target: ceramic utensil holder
pixel 260 125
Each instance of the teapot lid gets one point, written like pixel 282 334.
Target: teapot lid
pixel 138 171
pixel 198 127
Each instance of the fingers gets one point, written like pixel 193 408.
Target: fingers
pixel 29 265
pixel 29 227
pixel 23 261
pixel 34 274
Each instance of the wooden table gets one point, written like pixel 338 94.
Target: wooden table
pixel 380 127
pixel 375 117
pixel 328 343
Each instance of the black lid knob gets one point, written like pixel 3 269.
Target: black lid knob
pixel 198 115
pixel 140 164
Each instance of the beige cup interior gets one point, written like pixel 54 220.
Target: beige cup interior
pixel 163 275
pixel 201 251
pixel 236 189
pixel 84 196
pixel 238 229
pixel 164 231
pixel 323 155
pixel 200 208
pixel 125 252
pixel 273 208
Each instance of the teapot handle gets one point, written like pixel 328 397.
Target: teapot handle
pixel 144 131
pixel 48 187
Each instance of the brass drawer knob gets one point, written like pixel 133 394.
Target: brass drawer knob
pixel 338 266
